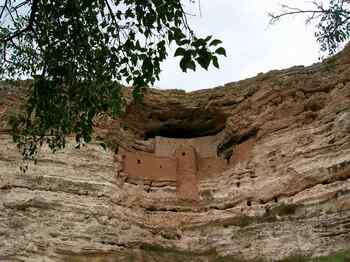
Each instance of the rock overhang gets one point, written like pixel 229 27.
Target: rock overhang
pixel 289 194
pixel 174 120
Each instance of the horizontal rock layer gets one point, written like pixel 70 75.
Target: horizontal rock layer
pixel 289 195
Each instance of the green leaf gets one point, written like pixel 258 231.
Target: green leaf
pixel 221 51
pixel 184 42
pixel 191 65
pixel 183 64
pixel 180 51
pixel 215 42
pixel 215 62
pixel 199 42
pixel 207 39
pixel 204 62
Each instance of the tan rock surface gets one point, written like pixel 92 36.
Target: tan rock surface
pixel 285 136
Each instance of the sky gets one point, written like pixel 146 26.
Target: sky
pixel 252 45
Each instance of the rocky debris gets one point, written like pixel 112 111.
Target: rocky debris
pixel 286 190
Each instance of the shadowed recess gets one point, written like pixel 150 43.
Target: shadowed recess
pixel 174 121
pixel 186 124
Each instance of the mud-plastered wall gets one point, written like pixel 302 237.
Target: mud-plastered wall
pixel 161 165
pixel 206 147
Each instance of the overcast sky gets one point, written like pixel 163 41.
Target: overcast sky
pixel 252 44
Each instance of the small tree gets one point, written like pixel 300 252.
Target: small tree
pixel 77 50
pixel 332 22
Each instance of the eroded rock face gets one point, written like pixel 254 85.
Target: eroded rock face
pixel 279 182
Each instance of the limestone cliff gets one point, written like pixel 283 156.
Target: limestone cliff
pixel 257 169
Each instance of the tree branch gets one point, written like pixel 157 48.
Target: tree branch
pixel 3 8
pixel 277 17
pixel 28 27
pixel 13 19
pixel 113 18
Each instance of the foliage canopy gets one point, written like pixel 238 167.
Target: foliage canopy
pixel 332 22
pixel 78 50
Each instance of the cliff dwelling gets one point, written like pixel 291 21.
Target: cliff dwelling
pixel 183 161
pixel 255 169
pixel 181 147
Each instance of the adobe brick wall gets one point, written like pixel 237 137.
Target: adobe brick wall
pixel 148 166
pixel 168 164
pixel 205 146
pixel 186 170
pixel 151 167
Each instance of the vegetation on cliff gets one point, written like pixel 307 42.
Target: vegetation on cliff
pixel 75 50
